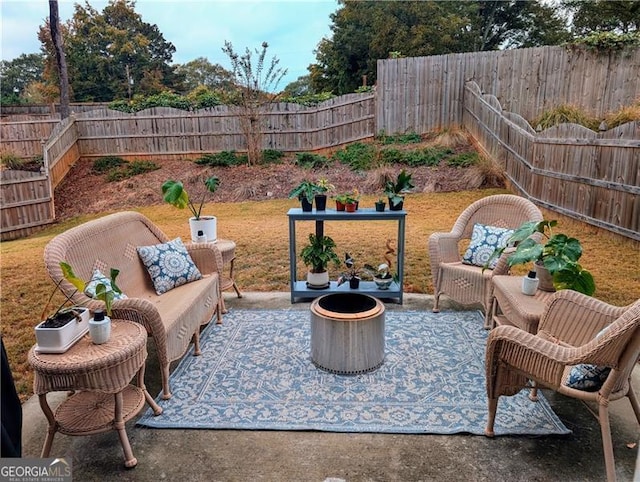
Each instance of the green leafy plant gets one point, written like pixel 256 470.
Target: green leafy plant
pixel 464 159
pixel 351 272
pixel 62 315
pixel 408 138
pixel 107 163
pixel 272 156
pixel 175 194
pixel 394 190
pixel 319 253
pixel 219 159
pixel 358 156
pixel 131 169
pixel 309 160
pixel 306 189
pixel 430 156
pixel 102 293
pixel 559 254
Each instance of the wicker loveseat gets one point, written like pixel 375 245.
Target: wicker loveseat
pixel 172 319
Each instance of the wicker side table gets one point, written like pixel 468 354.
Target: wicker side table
pixel 100 376
pixel 511 307
pixel 228 251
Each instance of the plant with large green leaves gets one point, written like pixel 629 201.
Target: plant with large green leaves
pixel 394 190
pixel 559 254
pixel 319 253
pixel 175 194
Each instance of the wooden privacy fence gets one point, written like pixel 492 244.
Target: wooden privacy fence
pixel 168 132
pixel 594 177
pixel 420 94
pixel 162 133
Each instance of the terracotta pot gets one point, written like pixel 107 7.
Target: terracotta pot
pixel 351 207
pixel 339 206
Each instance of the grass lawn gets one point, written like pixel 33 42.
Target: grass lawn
pixel 260 230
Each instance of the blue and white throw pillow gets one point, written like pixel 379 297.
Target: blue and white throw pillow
pixel 588 378
pixel 169 265
pixel 484 241
pixel 96 278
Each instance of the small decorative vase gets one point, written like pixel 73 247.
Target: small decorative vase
pixel 99 328
pixel 546 280
pixel 380 206
pixel 530 284
pixel 321 202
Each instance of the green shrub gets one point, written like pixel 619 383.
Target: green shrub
pixel 131 169
pixel 358 156
pixel 309 160
pixel 408 138
pixel 391 156
pixel 430 156
pixel 272 156
pixel 219 159
pixel 465 159
pixel 107 163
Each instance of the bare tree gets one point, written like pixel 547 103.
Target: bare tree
pixel 61 62
pixel 255 92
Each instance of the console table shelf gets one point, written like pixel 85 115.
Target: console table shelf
pixel 299 289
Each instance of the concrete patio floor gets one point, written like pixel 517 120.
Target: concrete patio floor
pixel 234 455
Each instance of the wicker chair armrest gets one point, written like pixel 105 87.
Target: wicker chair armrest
pixel 540 359
pixel 574 318
pixel 444 247
pixel 206 256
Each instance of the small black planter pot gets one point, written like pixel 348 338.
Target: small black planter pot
pixel 321 202
pixel 396 207
pixel 306 205
pixel 380 206
pixel 354 283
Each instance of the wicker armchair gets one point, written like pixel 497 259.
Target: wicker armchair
pixel 568 335
pixel 465 283
pixel 173 319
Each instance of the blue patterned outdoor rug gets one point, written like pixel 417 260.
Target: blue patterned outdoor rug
pixel 255 373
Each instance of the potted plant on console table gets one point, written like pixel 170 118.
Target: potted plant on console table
pixel 175 194
pixel 317 255
pixel 395 190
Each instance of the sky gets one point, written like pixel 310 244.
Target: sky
pixel 292 28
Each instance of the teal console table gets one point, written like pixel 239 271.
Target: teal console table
pixel 299 289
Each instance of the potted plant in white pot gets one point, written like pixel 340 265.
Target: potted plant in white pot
pixel 175 194
pixel 61 330
pixel 316 256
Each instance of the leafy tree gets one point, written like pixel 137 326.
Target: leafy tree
pixel 113 54
pixel 366 31
pixel 299 87
pixel 619 16
pixel 256 82
pixel 201 72
pixel 17 74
